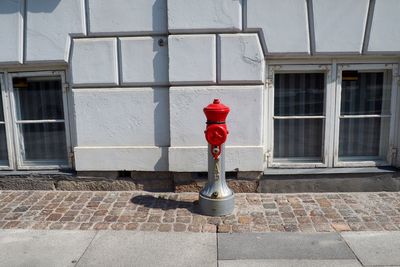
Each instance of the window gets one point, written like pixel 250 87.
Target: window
pixel 320 120
pixel 364 116
pixel 4 162
pixel 38 118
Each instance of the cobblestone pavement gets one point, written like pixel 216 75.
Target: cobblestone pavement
pixel 178 212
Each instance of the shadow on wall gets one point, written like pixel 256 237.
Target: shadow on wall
pixel 11 6
pixel 161 126
pixel 34 6
pixel 42 6
pixel 159 7
pixel 160 66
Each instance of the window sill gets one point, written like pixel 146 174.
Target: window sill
pixel 37 173
pixel 276 171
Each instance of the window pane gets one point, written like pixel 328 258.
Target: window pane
pixel 1 107
pixel 43 141
pixel 38 99
pixel 363 137
pixel 3 146
pixel 298 138
pixel 299 94
pixel 364 93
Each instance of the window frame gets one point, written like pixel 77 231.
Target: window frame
pixel 368 162
pixel 18 163
pixel 7 124
pixel 326 144
pixel 335 65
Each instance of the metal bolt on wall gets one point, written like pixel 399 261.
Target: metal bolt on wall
pixel 216 198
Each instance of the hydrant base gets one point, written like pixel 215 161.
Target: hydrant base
pixel 216 207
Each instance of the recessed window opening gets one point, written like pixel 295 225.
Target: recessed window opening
pixel 36 121
pixel 299 116
pixel 324 118
pixel 364 116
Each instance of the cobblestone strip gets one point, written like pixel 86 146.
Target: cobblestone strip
pixel 166 212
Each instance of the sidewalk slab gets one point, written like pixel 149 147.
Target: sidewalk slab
pixel 127 248
pixel 313 246
pixel 375 248
pixel 289 263
pixel 42 248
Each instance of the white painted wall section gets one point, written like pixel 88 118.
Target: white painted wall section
pixel 94 62
pixel 122 117
pixel 204 16
pixel 188 121
pixel 11 31
pixel 339 25
pixel 385 28
pixel 237 158
pixel 283 23
pixel 127 17
pixel 241 59
pixel 192 59
pixel 143 61
pixel 121 158
pixel 49 25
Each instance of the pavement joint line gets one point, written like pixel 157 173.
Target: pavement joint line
pixel 216 240
pixel 347 244
pixel 86 249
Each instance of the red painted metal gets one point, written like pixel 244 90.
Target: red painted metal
pixel 216 131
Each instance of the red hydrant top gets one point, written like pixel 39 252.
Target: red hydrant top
pixel 216 112
pixel 216 131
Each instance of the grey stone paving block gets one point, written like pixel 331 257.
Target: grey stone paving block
pixel 375 248
pixel 289 263
pixel 283 246
pixel 125 248
pixel 42 248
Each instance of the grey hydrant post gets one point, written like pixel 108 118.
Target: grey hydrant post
pixel 216 198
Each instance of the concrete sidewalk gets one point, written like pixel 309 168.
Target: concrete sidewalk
pixel 135 248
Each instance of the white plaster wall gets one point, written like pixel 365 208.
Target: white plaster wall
pixel 187 120
pixel 283 24
pixel 143 61
pixel 237 158
pixel 127 17
pixel 192 59
pixel 121 158
pixel 241 59
pixel 127 117
pixel 385 28
pixel 339 29
pixel 122 117
pixel 11 31
pixel 94 62
pixel 49 25
pixel 204 16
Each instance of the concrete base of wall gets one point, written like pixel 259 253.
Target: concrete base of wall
pixel 239 182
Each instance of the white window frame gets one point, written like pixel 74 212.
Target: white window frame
pixel 8 125
pixel 393 68
pixel 13 140
pixel 328 113
pixel 334 70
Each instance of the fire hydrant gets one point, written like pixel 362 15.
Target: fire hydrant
pixel 216 198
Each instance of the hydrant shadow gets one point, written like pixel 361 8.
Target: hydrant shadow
pixel 166 203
